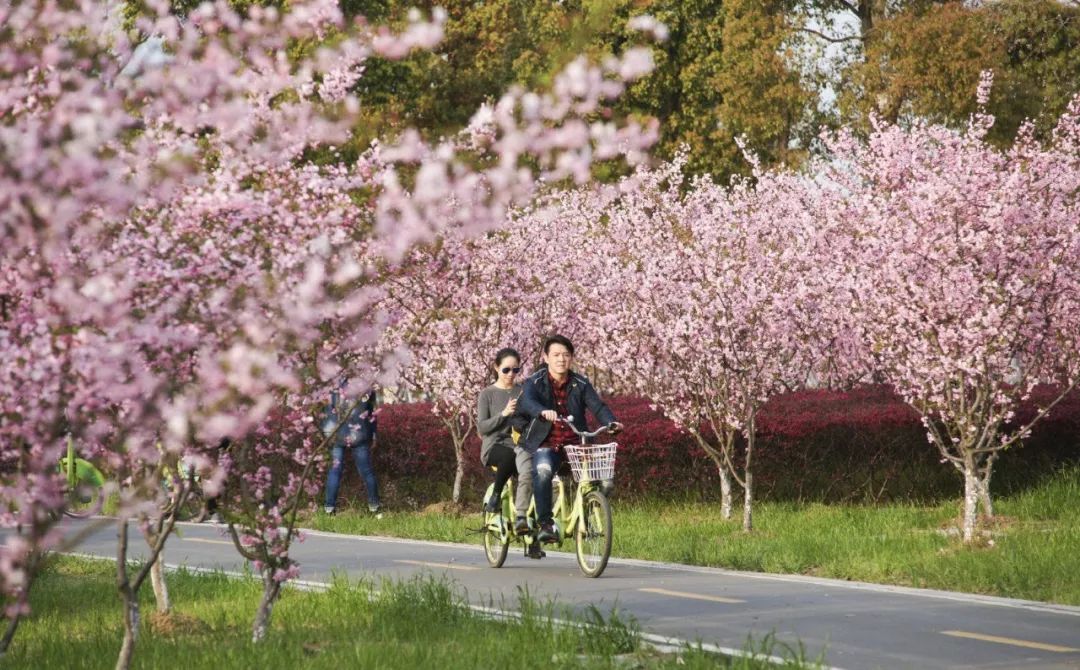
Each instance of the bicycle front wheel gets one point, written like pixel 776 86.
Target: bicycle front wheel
pixel 83 496
pixel 593 534
pixel 496 546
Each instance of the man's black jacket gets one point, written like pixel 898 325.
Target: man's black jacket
pixel 538 396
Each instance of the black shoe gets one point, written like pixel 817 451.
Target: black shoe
pixel 521 526
pixel 547 533
pixel 534 551
pixel 491 506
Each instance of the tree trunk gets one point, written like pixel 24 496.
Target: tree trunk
pixel 985 501
pixel 131 630
pixel 271 589
pixel 986 504
pixel 971 499
pixel 128 597
pixel 748 477
pixel 865 12
pixel 161 589
pixel 748 502
pixel 9 634
pixel 459 432
pixel 21 602
pixel 725 493
pixel 459 471
pixel 716 453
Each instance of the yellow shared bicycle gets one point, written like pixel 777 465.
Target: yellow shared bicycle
pixel 581 509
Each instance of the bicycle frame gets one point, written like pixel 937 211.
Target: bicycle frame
pixel 566 516
pixel 77 469
pixel 70 462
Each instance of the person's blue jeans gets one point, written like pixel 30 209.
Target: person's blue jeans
pixel 546 464
pixel 362 457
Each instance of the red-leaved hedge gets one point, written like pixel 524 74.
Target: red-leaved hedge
pixel 863 445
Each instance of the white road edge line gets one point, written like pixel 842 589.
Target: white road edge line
pixel 299 584
pixel 659 642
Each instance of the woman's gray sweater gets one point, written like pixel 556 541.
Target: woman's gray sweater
pixel 491 425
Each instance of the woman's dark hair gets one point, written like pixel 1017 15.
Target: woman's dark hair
pixel 504 353
pixel 558 339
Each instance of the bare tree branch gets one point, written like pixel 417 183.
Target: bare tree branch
pixel 850 6
pixel 240 548
pixel 829 38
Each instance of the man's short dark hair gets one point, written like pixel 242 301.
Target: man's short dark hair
pixel 558 339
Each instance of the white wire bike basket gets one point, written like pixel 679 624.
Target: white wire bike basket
pixel 592 462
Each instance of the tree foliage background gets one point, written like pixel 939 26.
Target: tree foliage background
pixel 771 71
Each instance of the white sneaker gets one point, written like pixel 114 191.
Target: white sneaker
pixel 330 510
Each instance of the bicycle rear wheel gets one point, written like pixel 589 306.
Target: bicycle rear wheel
pixel 82 501
pixel 496 545
pixel 593 534
pixel 194 508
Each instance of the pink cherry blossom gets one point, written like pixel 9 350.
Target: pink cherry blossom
pixel 173 274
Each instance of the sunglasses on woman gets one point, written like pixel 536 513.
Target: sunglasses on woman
pixel 507 371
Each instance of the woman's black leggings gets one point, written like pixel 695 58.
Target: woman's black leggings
pixel 504 460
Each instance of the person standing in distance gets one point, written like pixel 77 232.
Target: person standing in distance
pixel 357 433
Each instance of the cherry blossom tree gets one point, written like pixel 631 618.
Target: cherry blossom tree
pixel 961 269
pixel 73 162
pixel 174 274
pixel 922 255
pixel 165 345
pixel 275 302
pixel 709 305
pixel 453 323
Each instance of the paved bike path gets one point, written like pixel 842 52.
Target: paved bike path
pixel 857 625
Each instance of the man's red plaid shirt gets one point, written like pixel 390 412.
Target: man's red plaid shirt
pixel 561 434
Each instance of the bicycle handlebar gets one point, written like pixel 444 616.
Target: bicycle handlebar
pixel 568 420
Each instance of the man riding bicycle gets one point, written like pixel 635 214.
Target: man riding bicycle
pixel 552 392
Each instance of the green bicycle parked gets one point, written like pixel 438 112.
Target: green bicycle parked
pixel 83 484
pixel 582 510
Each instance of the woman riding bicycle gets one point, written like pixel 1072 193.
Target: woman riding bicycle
pixel 496 417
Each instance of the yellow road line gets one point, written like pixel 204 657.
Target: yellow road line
pixel 430 564
pixel 1009 640
pixel 199 539
pixel 692 596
